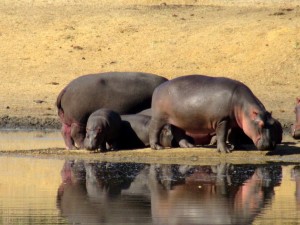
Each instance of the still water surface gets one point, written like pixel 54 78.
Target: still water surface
pixel 52 191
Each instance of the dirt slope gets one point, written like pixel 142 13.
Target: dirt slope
pixel 46 44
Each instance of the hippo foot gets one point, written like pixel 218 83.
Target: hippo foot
pixel 185 144
pixel 295 133
pixel 112 147
pixel 225 149
pixel 213 140
pixel 230 147
pixel 156 146
pixel 71 147
pixel 102 150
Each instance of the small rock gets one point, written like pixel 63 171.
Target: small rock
pixel 39 101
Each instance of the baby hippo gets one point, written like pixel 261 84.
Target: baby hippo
pixel 103 127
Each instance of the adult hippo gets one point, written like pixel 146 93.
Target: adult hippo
pixel 102 128
pixel 295 129
pixel 123 92
pixel 203 104
pixel 135 132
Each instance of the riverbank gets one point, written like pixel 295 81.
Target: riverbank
pixel 46 44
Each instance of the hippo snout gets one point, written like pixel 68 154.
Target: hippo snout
pixel 265 144
pixel 90 143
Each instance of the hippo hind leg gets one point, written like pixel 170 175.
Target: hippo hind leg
pixel 78 134
pixel 66 133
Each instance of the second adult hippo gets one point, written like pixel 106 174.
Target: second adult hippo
pixel 201 104
pixel 103 128
pixel 122 92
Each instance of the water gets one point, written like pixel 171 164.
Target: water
pixel 30 140
pixel 55 191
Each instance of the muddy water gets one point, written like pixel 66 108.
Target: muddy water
pixel 52 191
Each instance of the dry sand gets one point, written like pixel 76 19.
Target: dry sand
pixel 47 43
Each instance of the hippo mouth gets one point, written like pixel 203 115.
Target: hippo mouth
pixel 264 144
pixel 256 141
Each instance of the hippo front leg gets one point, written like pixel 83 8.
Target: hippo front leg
pixel 155 128
pixel 222 131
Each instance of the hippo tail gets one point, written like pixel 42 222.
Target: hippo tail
pixel 60 110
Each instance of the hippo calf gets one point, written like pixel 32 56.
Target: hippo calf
pixel 103 128
pixel 201 104
pixel 135 132
pixel 295 129
pixel 122 92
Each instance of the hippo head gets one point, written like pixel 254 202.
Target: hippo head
pixel 263 129
pixel 95 136
pixel 166 136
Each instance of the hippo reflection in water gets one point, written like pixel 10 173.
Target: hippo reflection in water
pixel 109 193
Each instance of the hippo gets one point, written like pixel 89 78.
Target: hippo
pixel 103 127
pixel 123 92
pixel 202 104
pixel 295 129
pixel 135 132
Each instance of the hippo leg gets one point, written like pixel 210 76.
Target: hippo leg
pixel 222 131
pixel 295 130
pixel 112 146
pixel 213 140
pixel 181 138
pixel 78 134
pixel 66 133
pixel 102 147
pixel 155 128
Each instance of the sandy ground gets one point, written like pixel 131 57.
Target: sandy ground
pixel 47 43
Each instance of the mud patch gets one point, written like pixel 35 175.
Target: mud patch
pixel 29 123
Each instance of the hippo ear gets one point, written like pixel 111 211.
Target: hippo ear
pixel 298 100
